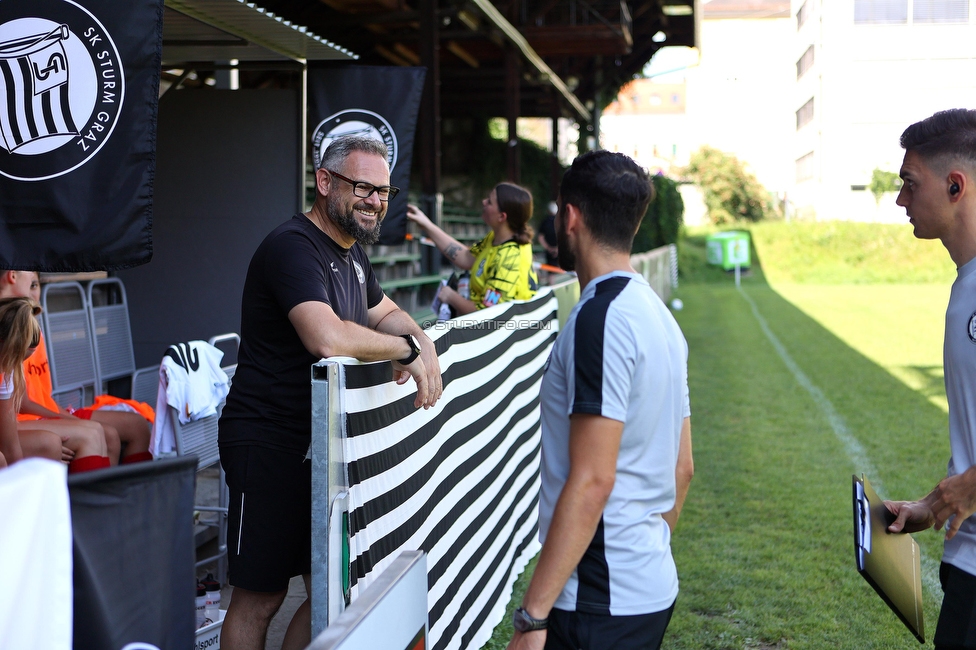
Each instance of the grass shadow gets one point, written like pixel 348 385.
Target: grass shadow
pixel 930 379
pixel 765 544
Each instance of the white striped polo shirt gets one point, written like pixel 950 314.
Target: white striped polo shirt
pixel 621 355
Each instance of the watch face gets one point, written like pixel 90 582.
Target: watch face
pixel 519 622
pixel 522 621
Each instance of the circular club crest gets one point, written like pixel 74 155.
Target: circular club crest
pixel 354 121
pixel 61 88
pixel 971 329
pixel 359 272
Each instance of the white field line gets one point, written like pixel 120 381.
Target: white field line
pixel 856 453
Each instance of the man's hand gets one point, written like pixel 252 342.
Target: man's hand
pixel 428 352
pixel 417 370
pixel 955 496
pixel 528 640
pixel 910 516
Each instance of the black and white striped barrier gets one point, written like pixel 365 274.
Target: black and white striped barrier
pixel 459 481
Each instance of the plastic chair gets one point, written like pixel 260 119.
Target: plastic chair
pixel 200 438
pixel 67 331
pixel 220 341
pixel 108 311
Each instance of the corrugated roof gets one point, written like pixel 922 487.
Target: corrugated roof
pixel 214 30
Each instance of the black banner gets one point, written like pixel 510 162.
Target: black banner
pixel 79 84
pixel 369 100
pixel 134 556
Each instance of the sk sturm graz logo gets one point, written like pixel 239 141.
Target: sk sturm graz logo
pixel 61 88
pixel 354 122
pixel 971 329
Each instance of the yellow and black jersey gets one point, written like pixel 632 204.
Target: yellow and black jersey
pixel 501 273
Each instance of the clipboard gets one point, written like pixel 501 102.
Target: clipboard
pixel 890 562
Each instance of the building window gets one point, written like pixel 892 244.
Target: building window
pixel 880 12
pixel 802 14
pixel 804 167
pixel 805 115
pixel 940 11
pixel 805 62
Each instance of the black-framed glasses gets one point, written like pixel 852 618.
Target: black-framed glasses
pixel 365 190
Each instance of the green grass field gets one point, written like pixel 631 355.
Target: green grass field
pixel 764 546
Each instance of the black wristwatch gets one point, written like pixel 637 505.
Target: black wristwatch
pixel 522 621
pixel 414 349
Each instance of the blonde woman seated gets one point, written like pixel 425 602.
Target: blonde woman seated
pixel 501 263
pixel 19 335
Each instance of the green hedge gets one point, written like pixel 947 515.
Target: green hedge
pixel 663 218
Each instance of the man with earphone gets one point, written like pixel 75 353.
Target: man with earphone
pixel 939 195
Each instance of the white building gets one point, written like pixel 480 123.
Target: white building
pixel 866 69
pixel 734 95
pixel 811 94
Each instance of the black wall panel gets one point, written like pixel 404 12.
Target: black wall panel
pixel 227 174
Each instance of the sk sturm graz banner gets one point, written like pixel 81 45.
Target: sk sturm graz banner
pixel 79 82
pixel 381 102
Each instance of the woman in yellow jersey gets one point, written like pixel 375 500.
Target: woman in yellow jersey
pixel 501 263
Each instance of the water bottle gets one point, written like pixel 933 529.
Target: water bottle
pixel 212 606
pixel 464 286
pixel 201 604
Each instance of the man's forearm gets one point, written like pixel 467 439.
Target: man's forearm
pixel 325 335
pixel 594 443
pixel 574 523
pixel 369 345
pixel 683 473
pixel 398 322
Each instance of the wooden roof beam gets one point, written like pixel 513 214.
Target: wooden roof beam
pixel 512 34
pixel 454 48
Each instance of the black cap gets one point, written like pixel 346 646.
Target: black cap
pixel 210 584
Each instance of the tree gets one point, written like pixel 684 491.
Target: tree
pixel 882 182
pixel 731 192
pixel 663 217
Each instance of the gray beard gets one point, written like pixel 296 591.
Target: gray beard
pixel 347 222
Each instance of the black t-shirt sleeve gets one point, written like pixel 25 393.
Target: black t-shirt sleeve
pixel 294 271
pixel 374 294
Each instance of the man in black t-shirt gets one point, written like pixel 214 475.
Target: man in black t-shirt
pixel 310 293
pixel 547 237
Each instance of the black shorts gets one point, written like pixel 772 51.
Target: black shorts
pixel 576 630
pixel 957 620
pixel 269 523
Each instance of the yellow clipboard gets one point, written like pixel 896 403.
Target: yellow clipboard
pixel 890 562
